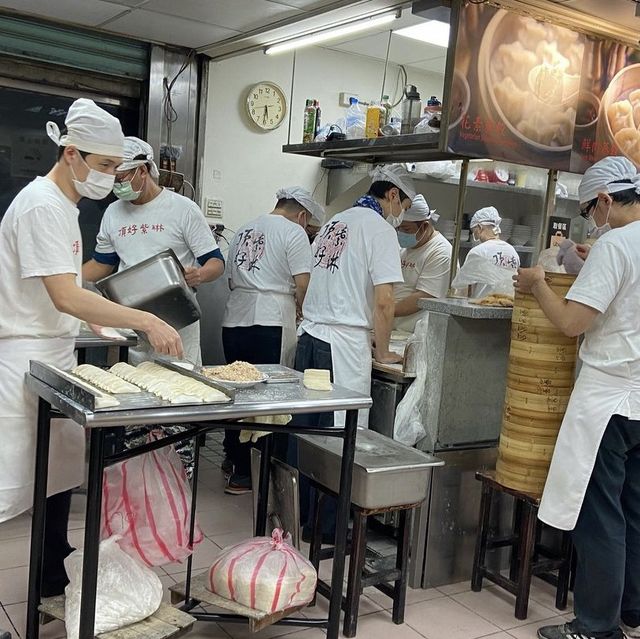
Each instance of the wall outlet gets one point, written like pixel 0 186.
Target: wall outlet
pixel 343 98
pixel 213 208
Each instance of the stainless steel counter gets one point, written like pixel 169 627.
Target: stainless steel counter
pixel 264 399
pixel 463 308
pixel 91 340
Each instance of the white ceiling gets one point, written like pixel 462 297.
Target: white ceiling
pixel 188 23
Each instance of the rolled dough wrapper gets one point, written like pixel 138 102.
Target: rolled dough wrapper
pixel 317 379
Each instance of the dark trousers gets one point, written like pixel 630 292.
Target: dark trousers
pixel 607 535
pixel 56 544
pixel 256 345
pixel 312 352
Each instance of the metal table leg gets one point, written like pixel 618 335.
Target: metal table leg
pixel 200 440
pixel 342 523
pixel 39 516
pixel 263 485
pixel 92 534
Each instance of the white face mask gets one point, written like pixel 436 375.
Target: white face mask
pixel 596 231
pixel 396 220
pixel 96 186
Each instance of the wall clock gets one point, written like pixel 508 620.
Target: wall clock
pixel 266 105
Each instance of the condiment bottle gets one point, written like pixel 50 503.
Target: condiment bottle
pixel 411 109
pixel 309 123
pixel 316 104
pixel 374 120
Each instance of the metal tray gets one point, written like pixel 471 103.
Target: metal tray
pixel 227 390
pixel 156 285
pixel 386 473
pixel 65 383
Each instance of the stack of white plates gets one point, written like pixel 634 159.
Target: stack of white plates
pixel 535 222
pixel 506 226
pixel 521 235
pixel 447 228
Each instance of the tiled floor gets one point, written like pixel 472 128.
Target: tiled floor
pixel 450 612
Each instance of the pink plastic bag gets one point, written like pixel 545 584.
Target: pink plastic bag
pixel 264 573
pixel 146 501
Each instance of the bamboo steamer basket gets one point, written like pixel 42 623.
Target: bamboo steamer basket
pixel 536 402
pixel 531 450
pixel 521 333
pixel 540 379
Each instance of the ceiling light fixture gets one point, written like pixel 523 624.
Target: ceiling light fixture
pixel 332 33
pixel 432 32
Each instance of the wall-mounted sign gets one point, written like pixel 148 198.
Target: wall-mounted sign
pixel 538 93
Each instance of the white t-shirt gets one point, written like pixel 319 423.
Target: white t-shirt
pixel 610 283
pixel 354 252
pixel 263 259
pixel 39 236
pixel 425 269
pixel 499 253
pixel 132 233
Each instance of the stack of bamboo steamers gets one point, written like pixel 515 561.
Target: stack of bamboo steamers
pixel 540 377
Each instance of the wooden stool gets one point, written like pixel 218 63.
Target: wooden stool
pixel 529 556
pixel 360 576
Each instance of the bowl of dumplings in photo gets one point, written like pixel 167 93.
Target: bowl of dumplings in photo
pixel 619 119
pixel 529 77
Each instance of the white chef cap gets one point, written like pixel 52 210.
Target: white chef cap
pixel 420 211
pixel 90 129
pixel 305 200
pixel 397 174
pixel 487 216
pixel 134 148
pixel 604 177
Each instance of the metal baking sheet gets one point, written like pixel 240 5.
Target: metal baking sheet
pixel 65 382
pixel 195 374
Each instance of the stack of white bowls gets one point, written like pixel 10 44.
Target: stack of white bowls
pixel 447 228
pixel 521 235
pixel 506 228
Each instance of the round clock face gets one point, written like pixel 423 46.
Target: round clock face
pixel 266 105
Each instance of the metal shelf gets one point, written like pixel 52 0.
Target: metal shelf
pixel 396 148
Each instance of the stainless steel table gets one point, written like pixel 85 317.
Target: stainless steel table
pixel 87 340
pixel 262 400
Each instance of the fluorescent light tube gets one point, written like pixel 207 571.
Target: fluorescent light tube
pixel 331 34
pixel 433 32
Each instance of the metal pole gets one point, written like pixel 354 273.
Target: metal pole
pixel 200 440
pixel 92 535
pixel 549 207
pixel 263 485
pixel 462 194
pixel 39 518
pixel 342 523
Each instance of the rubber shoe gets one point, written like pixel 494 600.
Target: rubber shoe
pixel 631 632
pixel 238 485
pixel 566 631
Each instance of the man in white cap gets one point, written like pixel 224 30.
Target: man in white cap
pixel 356 263
pixel 42 304
pixel 425 257
pixel 485 227
pixel 593 486
pixel 147 219
pixel 268 269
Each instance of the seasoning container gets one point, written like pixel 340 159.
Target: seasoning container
pixel 355 120
pixel 411 109
pixel 387 106
pixel 374 122
pixel 316 104
pixel 309 123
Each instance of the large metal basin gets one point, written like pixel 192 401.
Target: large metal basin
pixel 385 472
pixel 156 285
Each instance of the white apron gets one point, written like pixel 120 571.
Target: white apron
pixel 287 304
pixel 18 426
pixel 190 336
pixel 595 399
pixel 351 358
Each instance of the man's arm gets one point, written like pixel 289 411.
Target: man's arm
pixel 572 318
pixel 409 305
pixel 302 284
pixel 92 271
pixel 383 323
pixel 69 298
pixel 211 268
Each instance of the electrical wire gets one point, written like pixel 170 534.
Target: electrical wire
pixel 193 190
pixel 325 172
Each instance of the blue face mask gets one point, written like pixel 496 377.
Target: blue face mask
pixel 407 240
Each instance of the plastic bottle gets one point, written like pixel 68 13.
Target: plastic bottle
pixel 316 104
pixel 386 105
pixel 374 120
pixel 309 125
pixel 355 120
pixel 411 109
